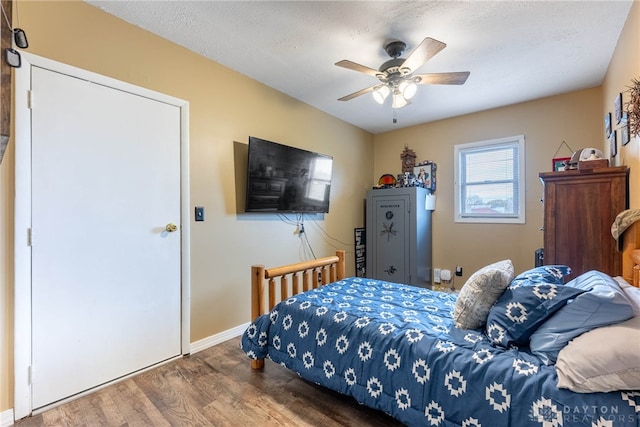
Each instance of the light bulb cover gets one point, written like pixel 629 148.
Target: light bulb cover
pixel 380 94
pixel 399 101
pixel 408 89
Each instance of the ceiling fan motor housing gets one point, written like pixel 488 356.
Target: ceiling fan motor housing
pixel 391 66
pixel 395 49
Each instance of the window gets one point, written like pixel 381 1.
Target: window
pixel 489 181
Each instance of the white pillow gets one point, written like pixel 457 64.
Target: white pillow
pixel 602 360
pixel 480 292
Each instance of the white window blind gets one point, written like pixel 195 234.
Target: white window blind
pixel 489 184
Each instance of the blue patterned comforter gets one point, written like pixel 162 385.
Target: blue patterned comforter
pixel 394 347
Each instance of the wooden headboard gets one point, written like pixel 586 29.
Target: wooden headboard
pixel 631 254
pixel 304 276
pixel 293 279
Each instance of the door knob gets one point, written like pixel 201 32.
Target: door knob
pixel 171 227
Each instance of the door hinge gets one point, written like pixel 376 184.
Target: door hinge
pixel 29 99
pixel 29 237
pixel 30 374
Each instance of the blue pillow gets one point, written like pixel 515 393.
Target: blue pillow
pixel 520 310
pixel 604 304
pixel 543 274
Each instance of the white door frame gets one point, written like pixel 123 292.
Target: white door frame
pixel 22 257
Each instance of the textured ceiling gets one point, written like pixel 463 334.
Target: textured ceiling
pixel 515 50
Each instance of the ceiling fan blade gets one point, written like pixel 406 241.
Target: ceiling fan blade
pixel 426 50
pixel 457 78
pixel 345 63
pixel 358 93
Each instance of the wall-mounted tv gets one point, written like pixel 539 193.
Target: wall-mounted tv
pixel 286 179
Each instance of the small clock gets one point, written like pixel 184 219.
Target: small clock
pixel 408 157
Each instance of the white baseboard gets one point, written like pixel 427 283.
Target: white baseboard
pixel 6 418
pixel 218 338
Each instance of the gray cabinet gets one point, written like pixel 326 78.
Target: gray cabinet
pixel 399 236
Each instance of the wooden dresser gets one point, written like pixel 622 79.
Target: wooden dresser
pixel 579 208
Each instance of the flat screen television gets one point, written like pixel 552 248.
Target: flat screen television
pixel 286 179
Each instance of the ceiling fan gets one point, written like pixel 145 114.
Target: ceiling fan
pixel 396 76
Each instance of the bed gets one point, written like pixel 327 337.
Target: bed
pixel 408 352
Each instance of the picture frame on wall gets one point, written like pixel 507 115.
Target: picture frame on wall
pixel 625 135
pixel 613 146
pixel 618 108
pixel 559 164
pixel 607 125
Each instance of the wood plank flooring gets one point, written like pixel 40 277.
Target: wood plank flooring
pixel 214 387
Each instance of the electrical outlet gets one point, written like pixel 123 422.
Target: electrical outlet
pixel 436 275
pixel 458 270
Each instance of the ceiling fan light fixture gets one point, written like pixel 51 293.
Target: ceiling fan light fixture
pixel 399 101
pixel 408 88
pixel 381 94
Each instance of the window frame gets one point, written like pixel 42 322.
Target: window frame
pixel 461 149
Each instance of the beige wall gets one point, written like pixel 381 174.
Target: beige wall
pixel 576 118
pixel 624 66
pixel 6 279
pixel 573 117
pixel 227 107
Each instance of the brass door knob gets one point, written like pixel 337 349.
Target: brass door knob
pixel 171 227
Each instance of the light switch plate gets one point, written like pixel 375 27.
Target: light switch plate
pixel 199 214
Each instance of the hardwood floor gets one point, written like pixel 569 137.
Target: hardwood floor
pixel 214 387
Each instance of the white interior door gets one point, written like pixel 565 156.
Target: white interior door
pixel 106 275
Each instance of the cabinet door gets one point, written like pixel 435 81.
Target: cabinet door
pixel 391 239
